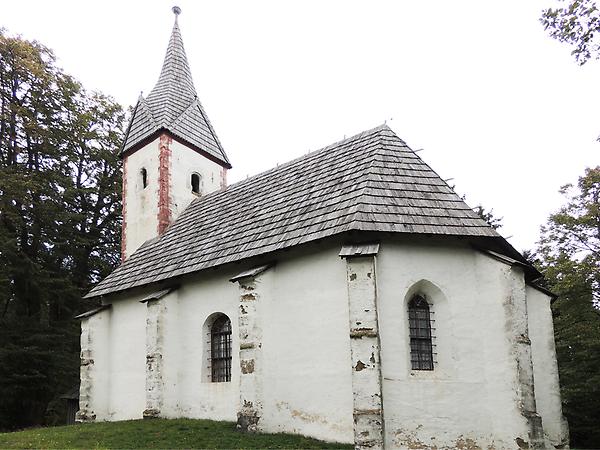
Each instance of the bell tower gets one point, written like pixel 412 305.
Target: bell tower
pixel 171 153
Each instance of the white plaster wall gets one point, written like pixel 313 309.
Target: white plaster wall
pixel 307 381
pixel 470 399
pixel 188 392
pixel 545 368
pixel 141 204
pixel 184 162
pixel 472 393
pixel 306 349
pixel 127 365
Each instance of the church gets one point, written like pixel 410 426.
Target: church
pixel 349 295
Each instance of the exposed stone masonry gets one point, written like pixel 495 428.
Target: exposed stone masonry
pixel 516 306
pixel 251 398
pixel 154 358
pixel 164 181
pixel 364 345
pixel 86 413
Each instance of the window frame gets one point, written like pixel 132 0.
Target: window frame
pixel 421 334
pixel 144 176
pixel 220 356
pixel 199 185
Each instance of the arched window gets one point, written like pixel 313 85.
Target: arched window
pixel 421 345
pixel 220 349
pixel 144 176
pixel 195 183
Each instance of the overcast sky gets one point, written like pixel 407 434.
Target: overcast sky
pixel 495 103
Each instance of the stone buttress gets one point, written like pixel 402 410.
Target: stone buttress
pixel 516 310
pixel 86 412
pixel 251 285
pixel 155 322
pixel 364 346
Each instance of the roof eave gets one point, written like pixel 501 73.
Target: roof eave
pixel 127 151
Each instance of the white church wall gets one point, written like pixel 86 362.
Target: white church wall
pixel 306 350
pixel 127 349
pixel 470 396
pixel 185 162
pixel 95 332
pixel 545 368
pixel 307 373
pixel 188 389
pixel 141 204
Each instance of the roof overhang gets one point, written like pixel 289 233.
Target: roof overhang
pixel 125 152
pixel 93 312
pixel 157 295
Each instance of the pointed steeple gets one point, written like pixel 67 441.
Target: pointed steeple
pixel 173 105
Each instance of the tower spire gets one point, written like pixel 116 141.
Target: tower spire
pixel 171 153
pixel 174 106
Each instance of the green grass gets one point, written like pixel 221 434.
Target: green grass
pixel 156 433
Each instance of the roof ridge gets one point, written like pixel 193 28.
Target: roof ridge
pixel 174 121
pixel 130 124
pixel 210 127
pixel 312 154
pixel 362 183
pixel 147 108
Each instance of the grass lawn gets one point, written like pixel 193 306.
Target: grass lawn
pixel 156 433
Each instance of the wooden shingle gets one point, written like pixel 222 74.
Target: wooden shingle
pixel 173 106
pixel 368 182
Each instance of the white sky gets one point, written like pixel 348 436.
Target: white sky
pixel 496 104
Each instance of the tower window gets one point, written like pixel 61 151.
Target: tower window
pixel 144 176
pixel 421 345
pixel 195 183
pixel 220 349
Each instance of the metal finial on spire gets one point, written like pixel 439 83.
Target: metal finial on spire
pixel 176 10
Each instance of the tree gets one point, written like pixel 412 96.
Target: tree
pixel 569 255
pixel 489 216
pixel 577 23
pixel 59 221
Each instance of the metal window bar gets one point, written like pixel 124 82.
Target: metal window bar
pixel 421 334
pixel 220 350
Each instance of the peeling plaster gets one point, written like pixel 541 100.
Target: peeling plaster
pixel 310 418
pixel 155 311
pixel 364 346
pixel 124 212
pixel 250 351
pixel 86 413
pixel 164 182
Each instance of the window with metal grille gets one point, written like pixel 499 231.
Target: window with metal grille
pixel 220 349
pixel 421 338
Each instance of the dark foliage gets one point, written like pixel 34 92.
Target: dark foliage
pixel 569 255
pixel 59 223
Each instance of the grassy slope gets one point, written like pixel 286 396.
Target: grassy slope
pixel 159 433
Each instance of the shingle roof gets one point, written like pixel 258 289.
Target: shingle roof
pixel 173 105
pixel 372 181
